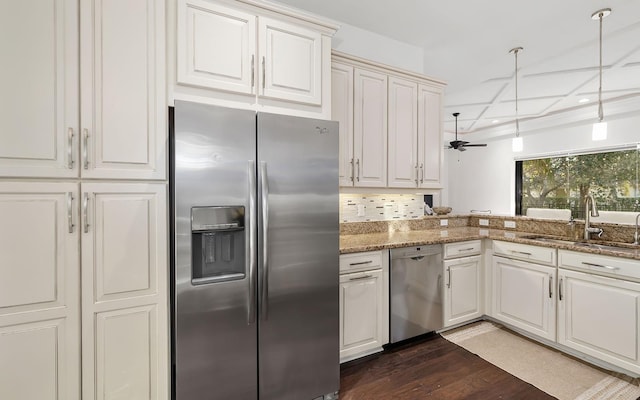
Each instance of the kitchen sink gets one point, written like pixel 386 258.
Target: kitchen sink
pixel 597 246
pixel 548 239
pixel 590 245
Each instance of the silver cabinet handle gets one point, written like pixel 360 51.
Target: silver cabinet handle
pixel 560 290
pixel 600 266
pixel 70 148
pixel 360 277
pixel 70 211
pixel 421 173
pixel 467 249
pixel 253 70
pixel 521 252
pixel 550 286
pixel 449 274
pixel 361 263
pixel 417 174
pixel 264 73
pixel 358 168
pixel 265 243
pixel 85 151
pixel 352 170
pixel 85 213
pixel 251 249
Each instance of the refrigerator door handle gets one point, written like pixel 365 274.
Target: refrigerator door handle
pixel 264 298
pixel 251 249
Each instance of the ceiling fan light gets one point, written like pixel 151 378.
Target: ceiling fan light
pixel 517 145
pixel 599 131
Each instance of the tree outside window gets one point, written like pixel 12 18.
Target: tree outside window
pixel 563 182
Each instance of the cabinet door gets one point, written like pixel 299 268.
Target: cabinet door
pixel 39 291
pixel 124 291
pixel 430 146
pixel 216 47
pixel 39 85
pixel 342 111
pixel 600 317
pixel 523 296
pixel 370 128
pixel 361 314
pixel 404 167
pixel 123 109
pixel 462 300
pixel 290 62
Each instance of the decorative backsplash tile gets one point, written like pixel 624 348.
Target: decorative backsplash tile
pixel 380 207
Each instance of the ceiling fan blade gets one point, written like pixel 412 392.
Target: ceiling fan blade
pixel 476 145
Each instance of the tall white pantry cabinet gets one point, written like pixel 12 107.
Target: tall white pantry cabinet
pixel 83 200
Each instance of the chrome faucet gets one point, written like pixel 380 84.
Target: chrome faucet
pixel 636 235
pixel 593 212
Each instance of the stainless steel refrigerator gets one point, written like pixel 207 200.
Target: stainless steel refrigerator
pixel 255 255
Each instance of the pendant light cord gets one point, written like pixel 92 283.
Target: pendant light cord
pixel 600 112
pixel 517 121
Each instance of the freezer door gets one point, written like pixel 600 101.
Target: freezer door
pixel 298 260
pixel 215 333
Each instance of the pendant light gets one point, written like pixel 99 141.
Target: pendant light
pixel 600 128
pixel 517 144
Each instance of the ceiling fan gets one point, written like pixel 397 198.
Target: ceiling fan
pixel 461 144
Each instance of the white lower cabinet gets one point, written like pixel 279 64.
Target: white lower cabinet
pixel 124 299
pixel 600 316
pixel 106 299
pixel 524 296
pixel 39 291
pixel 364 301
pixel 462 294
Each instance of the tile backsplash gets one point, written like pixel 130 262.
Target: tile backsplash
pixel 380 207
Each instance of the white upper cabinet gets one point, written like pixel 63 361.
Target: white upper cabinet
pixel 217 47
pixel 119 129
pixel 342 111
pixel 390 125
pixel 122 73
pixel 39 86
pixel 370 128
pixel 239 55
pixel 430 145
pixel 290 62
pixel 404 170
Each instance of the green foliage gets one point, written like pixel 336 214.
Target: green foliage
pixel 563 182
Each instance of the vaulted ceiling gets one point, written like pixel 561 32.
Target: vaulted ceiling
pixel 466 43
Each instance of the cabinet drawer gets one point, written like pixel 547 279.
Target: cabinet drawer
pixel 360 261
pixel 537 254
pixel 600 265
pixel 462 249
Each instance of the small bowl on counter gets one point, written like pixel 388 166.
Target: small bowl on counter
pixel 442 210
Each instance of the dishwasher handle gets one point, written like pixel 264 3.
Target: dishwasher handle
pixel 416 257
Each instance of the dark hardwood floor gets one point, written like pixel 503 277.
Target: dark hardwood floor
pixel 430 368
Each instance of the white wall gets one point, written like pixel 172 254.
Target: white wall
pixel 484 178
pixel 375 47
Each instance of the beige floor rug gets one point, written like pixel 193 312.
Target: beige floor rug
pixel 547 369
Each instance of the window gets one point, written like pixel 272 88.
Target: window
pixel 562 182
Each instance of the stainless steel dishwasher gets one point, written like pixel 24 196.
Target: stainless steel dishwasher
pixel 415 291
